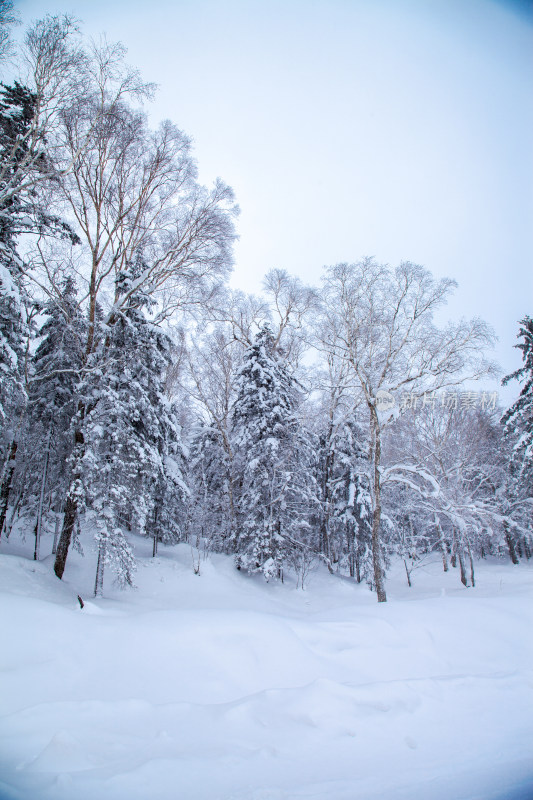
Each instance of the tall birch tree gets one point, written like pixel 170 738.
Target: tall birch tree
pixel 380 322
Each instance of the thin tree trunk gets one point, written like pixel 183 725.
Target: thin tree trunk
pixel 527 551
pixel 154 549
pixel 459 553
pixel 453 559
pixel 444 554
pixel 442 544
pixel 325 544
pixel 99 580
pixel 350 532
pixel 7 480
pixel 473 582
pixel 376 543
pixel 407 573
pixel 56 533
pixel 510 544
pixel 471 559
pixel 357 568
pixel 14 510
pixel 231 502
pixel 462 568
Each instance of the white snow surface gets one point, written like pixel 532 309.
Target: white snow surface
pixel 219 686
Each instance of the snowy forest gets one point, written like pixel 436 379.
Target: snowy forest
pixel 142 397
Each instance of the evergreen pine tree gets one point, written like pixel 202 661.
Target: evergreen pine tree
pixel 21 211
pixel 518 429
pixel 518 419
pixel 132 458
pixel 211 490
pixel 16 108
pixel 52 396
pixel 275 479
pixel 171 493
pixel 352 500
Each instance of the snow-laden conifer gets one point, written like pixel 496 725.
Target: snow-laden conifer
pixel 52 396
pixel 352 500
pixel 132 453
pixel 273 459
pixel 16 105
pixel 518 419
pixel 211 510
pixel 22 158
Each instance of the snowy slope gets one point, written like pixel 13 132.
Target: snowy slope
pixel 220 687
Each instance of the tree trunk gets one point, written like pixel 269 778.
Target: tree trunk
pixel 527 551
pixel 444 557
pixel 14 510
pixel 462 568
pixel 472 581
pixel 376 543
pixel 154 549
pixel 71 509
pixel 99 580
pixel 69 520
pixel 458 552
pixel 231 503
pixel 56 533
pixel 5 489
pixel 350 533
pixel 442 544
pixel 510 544
pixel 357 568
pixel 325 546
pixel 471 558
pixel 407 573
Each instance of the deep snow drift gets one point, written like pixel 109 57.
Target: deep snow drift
pixel 220 687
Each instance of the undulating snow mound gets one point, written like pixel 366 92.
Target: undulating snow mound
pixel 219 686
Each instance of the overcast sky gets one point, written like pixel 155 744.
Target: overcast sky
pixel 395 128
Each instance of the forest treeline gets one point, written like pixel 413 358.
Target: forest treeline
pixel 141 396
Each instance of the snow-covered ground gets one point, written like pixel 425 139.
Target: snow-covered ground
pixel 220 687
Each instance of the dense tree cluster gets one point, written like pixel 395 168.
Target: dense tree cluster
pixel 141 397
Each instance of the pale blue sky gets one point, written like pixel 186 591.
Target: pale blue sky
pixel 395 128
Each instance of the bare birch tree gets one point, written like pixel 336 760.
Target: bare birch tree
pixel 7 19
pixel 133 194
pixel 51 67
pixel 380 322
